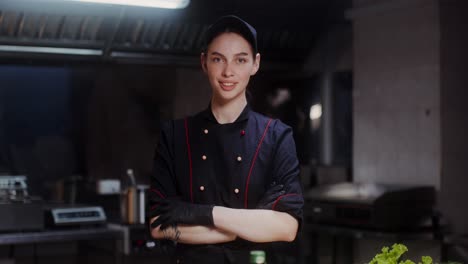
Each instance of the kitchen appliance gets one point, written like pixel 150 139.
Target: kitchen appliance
pixel 74 215
pixel 368 205
pixel 18 210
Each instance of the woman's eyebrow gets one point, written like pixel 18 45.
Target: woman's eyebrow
pixel 217 54
pixel 242 54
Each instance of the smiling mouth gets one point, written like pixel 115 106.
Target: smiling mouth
pixel 227 86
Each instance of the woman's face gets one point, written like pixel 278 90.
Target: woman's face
pixel 229 63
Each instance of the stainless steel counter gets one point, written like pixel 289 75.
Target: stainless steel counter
pixel 89 233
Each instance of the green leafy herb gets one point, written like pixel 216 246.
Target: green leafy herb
pixel 426 260
pixel 393 256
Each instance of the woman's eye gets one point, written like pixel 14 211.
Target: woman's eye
pixel 215 59
pixel 241 60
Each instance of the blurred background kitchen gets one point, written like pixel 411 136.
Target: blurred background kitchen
pixel 374 90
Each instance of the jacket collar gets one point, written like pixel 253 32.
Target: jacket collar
pixel 244 115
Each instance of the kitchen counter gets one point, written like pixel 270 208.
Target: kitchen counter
pixel 79 234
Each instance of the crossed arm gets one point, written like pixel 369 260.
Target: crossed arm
pixel 255 225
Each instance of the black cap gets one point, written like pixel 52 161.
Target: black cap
pixel 234 24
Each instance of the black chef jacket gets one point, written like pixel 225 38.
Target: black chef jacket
pixel 231 165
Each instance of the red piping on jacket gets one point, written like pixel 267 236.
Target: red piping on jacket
pixel 189 153
pixel 281 197
pixel 157 192
pixel 253 163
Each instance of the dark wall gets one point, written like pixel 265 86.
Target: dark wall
pixel 38 122
pixel 454 122
pixel 124 112
pixel 96 121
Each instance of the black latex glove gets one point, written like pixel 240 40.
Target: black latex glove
pixel 270 196
pixel 174 211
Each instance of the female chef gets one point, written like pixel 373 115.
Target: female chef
pixel 226 179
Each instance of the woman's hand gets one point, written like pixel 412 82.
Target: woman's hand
pixel 174 211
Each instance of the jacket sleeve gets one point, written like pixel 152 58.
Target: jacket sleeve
pixel 162 181
pixel 286 171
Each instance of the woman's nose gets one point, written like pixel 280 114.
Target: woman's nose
pixel 228 71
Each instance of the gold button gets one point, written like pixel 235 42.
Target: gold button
pixel 239 158
pixel 205 131
pixel 202 188
pixel 236 190
pixel 203 157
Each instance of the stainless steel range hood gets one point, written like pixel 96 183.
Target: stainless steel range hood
pixel 67 29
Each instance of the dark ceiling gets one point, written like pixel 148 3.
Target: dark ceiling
pixel 287 30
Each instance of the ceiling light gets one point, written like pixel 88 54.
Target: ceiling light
pixel 315 112
pixel 50 50
pixel 171 4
